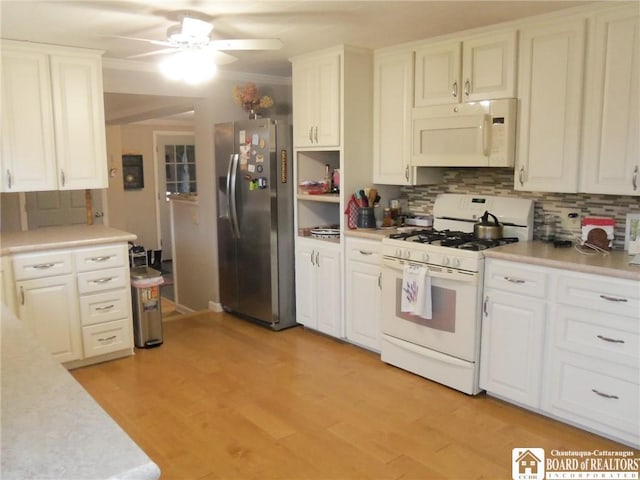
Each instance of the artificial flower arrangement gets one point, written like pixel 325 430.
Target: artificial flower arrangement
pixel 249 98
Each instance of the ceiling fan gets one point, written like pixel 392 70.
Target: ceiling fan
pixel 194 35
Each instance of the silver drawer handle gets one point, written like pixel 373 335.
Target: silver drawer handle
pixel 103 280
pixel 607 339
pixel 605 395
pixel 106 307
pixel 44 266
pixel 514 280
pixel 100 259
pixel 107 339
pixel 613 299
pixel 364 252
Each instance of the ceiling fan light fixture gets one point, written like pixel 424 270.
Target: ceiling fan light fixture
pixel 190 66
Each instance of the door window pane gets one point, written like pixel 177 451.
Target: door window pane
pixel 180 169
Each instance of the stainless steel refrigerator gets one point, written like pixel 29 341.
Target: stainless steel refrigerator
pixel 255 220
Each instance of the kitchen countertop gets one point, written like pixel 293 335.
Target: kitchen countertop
pixel 370 233
pixel 615 264
pixel 51 427
pixel 60 237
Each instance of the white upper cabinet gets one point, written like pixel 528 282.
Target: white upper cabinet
pixel 53 130
pixel 78 108
pixel 392 100
pixel 550 78
pixel 316 96
pixel 28 146
pixel 480 68
pixel 612 111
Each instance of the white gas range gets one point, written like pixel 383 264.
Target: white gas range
pixel 445 347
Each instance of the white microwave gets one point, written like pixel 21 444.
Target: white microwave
pixel 474 134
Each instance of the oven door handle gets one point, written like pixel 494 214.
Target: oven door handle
pixel 443 273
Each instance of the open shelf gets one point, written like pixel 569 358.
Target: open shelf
pixel 326 197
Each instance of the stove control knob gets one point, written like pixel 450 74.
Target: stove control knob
pixel 398 252
pixel 446 261
pixel 407 254
pixel 425 257
pixel 456 262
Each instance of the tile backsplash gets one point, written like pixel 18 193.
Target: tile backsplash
pixel 499 182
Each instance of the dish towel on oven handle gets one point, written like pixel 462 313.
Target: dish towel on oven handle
pixel 416 291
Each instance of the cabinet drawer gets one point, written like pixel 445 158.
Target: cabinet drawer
pixel 605 294
pixel 39 265
pixel 596 394
pixel 367 251
pixel 101 280
pixel 105 306
pixel 106 337
pixel 519 278
pixel 102 257
pixel 608 337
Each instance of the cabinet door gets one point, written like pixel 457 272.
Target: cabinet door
pixel 49 306
pixel 327 94
pixel 612 110
pixel 28 148
pixel 306 286
pixel 363 304
pixel 392 104
pixel 79 118
pixel 512 346
pixel 303 95
pixel 437 74
pixel 328 292
pixel 551 65
pixel 316 95
pixel 489 67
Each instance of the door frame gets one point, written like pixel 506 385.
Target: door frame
pixel 156 175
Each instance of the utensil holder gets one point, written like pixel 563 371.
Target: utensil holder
pixel 366 218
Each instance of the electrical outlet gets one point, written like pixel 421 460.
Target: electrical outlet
pixel 570 219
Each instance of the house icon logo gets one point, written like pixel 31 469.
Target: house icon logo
pixel 527 463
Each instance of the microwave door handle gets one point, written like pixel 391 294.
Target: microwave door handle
pixel 486 132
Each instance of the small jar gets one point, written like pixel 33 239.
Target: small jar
pixel 387 218
pixel 547 229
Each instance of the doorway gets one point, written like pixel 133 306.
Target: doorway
pixel 176 173
pixel 63 207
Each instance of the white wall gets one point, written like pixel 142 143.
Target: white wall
pixel 213 103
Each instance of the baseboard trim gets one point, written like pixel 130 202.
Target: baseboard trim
pixel 182 309
pixel 215 306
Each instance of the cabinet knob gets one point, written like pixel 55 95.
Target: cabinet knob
pixel 454 90
pixel 467 87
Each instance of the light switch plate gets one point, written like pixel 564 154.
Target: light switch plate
pixel 570 219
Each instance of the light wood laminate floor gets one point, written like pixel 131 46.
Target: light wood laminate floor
pixel 226 399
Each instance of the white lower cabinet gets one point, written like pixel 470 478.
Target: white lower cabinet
pixel 513 329
pixel 49 306
pixel 77 302
pixel 319 286
pixel 363 301
pixel 568 346
pixel 593 357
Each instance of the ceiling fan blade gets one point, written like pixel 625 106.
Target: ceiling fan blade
pixel 155 52
pixel 146 40
pixel 247 44
pixel 221 58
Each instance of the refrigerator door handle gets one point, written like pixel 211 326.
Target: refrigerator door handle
pixel 231 191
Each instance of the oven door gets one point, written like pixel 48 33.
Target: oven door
pixel 454 328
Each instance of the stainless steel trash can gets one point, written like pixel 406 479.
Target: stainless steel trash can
pixel 147 307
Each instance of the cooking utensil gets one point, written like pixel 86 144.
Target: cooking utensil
pixel 485 229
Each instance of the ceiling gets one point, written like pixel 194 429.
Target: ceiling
pixel 303 26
